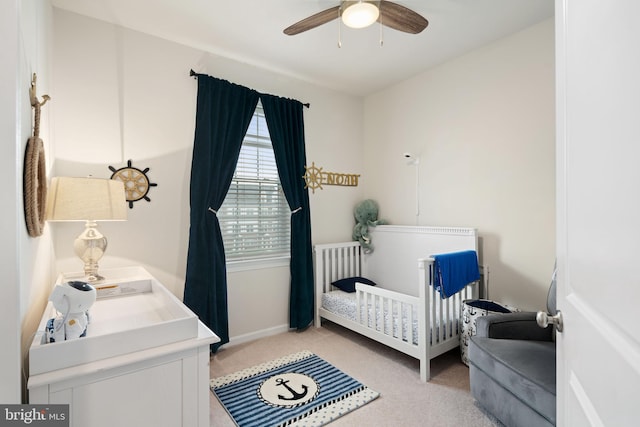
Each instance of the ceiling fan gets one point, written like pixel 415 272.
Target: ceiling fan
pixel 360 14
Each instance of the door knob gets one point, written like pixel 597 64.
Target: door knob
pixel 545 320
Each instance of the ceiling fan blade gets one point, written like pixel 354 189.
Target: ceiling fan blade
pixel 400 18
pixel 313 21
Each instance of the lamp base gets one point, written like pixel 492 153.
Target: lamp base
pixel 90 247
pixel 93 278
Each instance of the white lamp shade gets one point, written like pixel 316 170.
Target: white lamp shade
pixel 360 14
pixel 86 199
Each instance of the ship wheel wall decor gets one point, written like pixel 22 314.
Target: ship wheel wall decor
pixel 136 182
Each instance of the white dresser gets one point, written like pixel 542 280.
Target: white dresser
pixel 144 360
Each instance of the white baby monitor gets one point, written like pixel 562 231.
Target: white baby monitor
pixel 73 297
pixel 72 300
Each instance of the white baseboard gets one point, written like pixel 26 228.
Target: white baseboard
pixel 241 339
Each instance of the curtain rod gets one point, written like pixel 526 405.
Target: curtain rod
pixel 195 75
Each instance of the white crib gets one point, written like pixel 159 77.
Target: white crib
pixel 422 325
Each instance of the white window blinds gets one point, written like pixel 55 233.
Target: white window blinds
pixel 255 217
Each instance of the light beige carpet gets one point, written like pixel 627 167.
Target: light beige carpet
pixel 404 400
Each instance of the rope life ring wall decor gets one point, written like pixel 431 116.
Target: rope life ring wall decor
pixel 35 186
pixel 35 171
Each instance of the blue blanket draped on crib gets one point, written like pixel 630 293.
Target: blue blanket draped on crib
pixel 453 271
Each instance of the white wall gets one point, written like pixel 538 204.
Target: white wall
pixel 124 95
pixel 483 126
pixel 26 262
pixel 9 294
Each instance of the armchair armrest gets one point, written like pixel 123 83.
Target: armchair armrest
pixel 518 326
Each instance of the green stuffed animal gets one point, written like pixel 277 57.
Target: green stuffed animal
pixel 366 215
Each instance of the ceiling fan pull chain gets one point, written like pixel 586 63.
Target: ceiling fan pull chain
pixel 381 34
pixel 339 27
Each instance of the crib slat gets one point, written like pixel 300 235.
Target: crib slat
pixel 440 311
pixel 328 266
pixel 365 305
pixel 346 254
pixel 411 335
pixel 447 317
pixel 343 263
pixel 434 314
pixel 359 304
pixel 371 312
pixel 352 262
pixel 455 314
pixel 388 308
pixel 435 328
pixel 443 317
pixel 379 319
pixel 440 314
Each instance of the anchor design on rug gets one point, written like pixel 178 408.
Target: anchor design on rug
pixel 300 389
pixel 295 394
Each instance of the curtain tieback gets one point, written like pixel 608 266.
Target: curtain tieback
pixel 213 210
pixel 298 209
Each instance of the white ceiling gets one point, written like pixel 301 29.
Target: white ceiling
pixel 251 31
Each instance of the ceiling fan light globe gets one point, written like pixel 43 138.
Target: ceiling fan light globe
pixel 360 15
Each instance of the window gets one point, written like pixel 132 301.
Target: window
pixel 255 217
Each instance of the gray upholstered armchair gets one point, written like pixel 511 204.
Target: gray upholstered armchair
pixel 512 367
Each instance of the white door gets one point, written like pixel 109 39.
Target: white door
pixel 598 211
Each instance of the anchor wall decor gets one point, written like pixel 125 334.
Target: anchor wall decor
pixel 315 177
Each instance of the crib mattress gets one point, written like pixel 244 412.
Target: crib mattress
pixel 344 304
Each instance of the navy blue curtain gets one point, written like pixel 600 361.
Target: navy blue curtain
pixel 224 112
pixel 286 128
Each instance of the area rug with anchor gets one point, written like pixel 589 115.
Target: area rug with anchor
pixel 300 389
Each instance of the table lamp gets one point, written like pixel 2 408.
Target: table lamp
pixel 89 200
